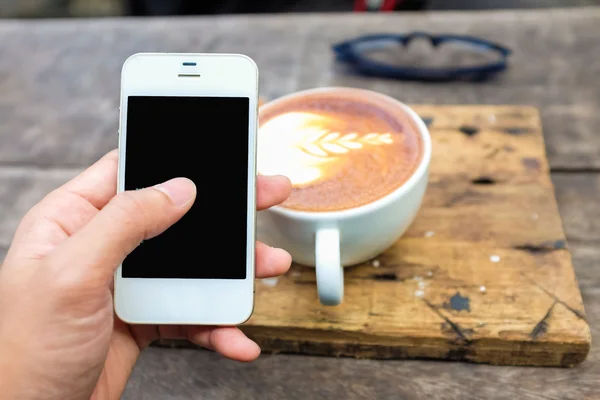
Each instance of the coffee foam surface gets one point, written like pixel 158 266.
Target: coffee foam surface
pixel 338 152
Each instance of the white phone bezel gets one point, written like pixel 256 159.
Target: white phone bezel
pixel 190 301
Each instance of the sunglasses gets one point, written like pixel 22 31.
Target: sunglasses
pixel 464 57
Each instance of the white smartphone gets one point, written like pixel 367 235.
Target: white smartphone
pixel 194 116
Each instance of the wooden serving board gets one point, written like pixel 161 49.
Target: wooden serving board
pixel 483 275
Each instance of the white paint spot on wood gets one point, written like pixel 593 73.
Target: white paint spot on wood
pixel 376 263
pixel 271 282
pixel 495 258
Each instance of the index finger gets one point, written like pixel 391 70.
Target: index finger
pixel 271 190
pixel 98 183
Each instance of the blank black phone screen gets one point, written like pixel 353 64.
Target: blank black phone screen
pixel 204 139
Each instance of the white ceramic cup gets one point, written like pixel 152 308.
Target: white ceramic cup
pixel 330 240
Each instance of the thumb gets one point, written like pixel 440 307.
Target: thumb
pixel 129 218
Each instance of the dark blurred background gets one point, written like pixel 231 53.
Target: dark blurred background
pixel 97 8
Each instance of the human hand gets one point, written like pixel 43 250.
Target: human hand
pixel 60 338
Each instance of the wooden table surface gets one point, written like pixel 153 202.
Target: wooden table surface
pixel 59 87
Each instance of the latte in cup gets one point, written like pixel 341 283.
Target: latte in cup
pixel 359 165
pixel 341 148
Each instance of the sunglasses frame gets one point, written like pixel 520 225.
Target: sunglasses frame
pixel 348 52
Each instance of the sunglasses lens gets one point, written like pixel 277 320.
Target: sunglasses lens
pixel 420 53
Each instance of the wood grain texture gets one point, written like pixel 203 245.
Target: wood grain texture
pixel 483 275
pixel 64 92
pixel 177 374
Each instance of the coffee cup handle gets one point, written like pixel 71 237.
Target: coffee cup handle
pixel 330 273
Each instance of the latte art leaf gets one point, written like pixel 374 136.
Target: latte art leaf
pixel 329 144
pixel 341 148
pixel 308 147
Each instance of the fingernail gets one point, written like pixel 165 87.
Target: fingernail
pixel 180 190
pixel 279 179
